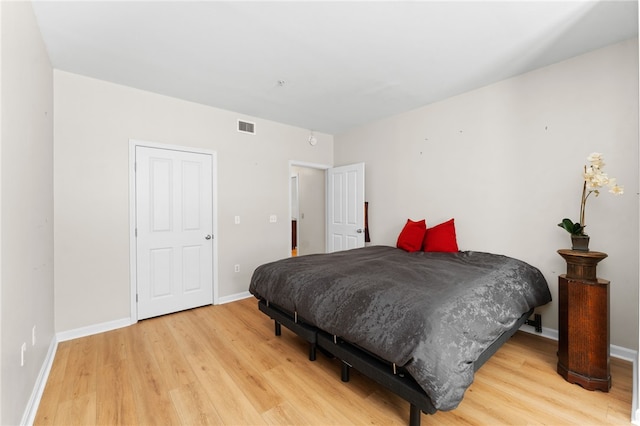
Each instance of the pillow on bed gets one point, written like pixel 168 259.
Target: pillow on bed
pixel 412 235
pixel 441 237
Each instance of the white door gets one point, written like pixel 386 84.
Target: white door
pixel 345 207
pixel 174 228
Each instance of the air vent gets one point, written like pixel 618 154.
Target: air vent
pixel 246 127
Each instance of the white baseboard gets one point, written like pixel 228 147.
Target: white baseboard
pixel 34 400
pixel 549 333
pixel 624 353
pixel 234 297
pixel 615 351
pixel 125 322
pixel 94 329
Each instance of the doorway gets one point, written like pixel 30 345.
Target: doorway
pixel 307 210
pixel 173 226
pixel 307 206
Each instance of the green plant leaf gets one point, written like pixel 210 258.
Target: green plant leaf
pixel 571 227
pixel 566 224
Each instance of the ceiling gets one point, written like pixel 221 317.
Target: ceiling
pixel 320 65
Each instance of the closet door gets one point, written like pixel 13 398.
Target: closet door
pixel 174 230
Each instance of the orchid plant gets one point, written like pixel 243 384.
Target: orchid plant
pixel 594 180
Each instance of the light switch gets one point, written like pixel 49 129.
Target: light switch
pixel 237 220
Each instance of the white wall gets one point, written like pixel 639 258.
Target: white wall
pixel 93 124
pixel 26 207
pixel 505 161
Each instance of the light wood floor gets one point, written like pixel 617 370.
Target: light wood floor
pixel 223 365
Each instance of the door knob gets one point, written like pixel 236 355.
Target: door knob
pixel 208 237
pixel 359 231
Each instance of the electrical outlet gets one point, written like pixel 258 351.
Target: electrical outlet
pixel 23 349
pixel 273 218
pixel 33 336
pixel 236 268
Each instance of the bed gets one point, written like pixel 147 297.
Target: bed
pixel 418 323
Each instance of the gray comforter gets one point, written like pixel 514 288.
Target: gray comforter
pixel 433 313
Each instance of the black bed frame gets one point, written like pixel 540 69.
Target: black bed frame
pixel 386 374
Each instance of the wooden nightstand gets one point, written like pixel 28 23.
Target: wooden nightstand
pixel 583 322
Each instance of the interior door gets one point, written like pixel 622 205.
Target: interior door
pixel 345 207
pixel 174 230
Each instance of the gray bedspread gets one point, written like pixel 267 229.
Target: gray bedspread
pixel 433 313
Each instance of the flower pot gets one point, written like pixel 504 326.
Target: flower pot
pixel 580 242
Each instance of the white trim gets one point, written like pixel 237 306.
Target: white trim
pixel 90 330
pixel 624 353
pixel 31 409
pixel 234 297
pixel 309 165
pixel 133 144
pixel 614 350
pixel 549 333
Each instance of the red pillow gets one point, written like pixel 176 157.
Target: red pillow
pixel 441 237
pixel 411 236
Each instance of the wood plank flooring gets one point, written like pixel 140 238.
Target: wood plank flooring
pixel 223 365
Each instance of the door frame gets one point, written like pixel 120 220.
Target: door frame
pixel 295 163
pixel 133 261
